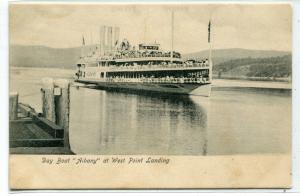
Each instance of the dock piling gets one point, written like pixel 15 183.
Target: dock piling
pixel 48 106
pixel 13 105
pixel 46 133
pixel 62 107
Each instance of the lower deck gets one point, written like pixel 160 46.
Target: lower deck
pixel 184 76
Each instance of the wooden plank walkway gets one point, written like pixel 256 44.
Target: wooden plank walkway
pixel 32 134
pixel 46 133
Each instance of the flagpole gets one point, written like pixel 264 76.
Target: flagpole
pixel 145 29
pixel 91 46
pixel 82 46
pixel 100 42
pixel 172 35
pixel 210 51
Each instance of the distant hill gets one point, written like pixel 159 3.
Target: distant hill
pixel 41 56
pixel 223 55
pixel 270 67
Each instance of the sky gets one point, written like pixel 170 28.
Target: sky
pixel 249 26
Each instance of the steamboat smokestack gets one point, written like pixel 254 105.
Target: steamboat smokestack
pixel 102 40
pixel 116 37
pixel 109 39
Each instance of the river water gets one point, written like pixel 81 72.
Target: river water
pixel 229 122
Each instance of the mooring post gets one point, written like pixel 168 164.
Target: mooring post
pixel 48 106
pixel 13 105
pixel 62 107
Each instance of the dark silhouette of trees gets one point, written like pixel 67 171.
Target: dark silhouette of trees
pixel 280 66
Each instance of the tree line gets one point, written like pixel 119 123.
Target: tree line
pixel 279 66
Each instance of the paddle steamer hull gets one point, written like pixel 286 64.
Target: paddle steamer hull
pixel 171 88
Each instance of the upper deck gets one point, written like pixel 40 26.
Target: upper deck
pixel 126 53
pixel 186 66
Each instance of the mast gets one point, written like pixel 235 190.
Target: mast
pixel 82 46
pixel 100 41
pixel 145 25
pixel 210 51
pixel 172 35
pixel 91 46
pixel 145 29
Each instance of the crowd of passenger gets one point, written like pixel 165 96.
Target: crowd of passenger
pixel 126 50
pixel 123 54
pixel 167 79
pixel 154 66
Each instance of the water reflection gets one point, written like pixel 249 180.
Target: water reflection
pixel 228 122
pixel 119 123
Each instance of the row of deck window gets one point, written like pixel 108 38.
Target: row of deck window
pixel 198 76
pixel 159 74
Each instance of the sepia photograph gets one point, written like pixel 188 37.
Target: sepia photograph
pixel 148 82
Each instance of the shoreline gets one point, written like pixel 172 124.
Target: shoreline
pixel 225 83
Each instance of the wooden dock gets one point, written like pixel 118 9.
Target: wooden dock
pixel 41 133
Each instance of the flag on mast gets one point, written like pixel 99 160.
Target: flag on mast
pixel 83 41
pixel 209 24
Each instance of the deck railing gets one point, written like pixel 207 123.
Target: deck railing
pixel 136 54
pixel 158 67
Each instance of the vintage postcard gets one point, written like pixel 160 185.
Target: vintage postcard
pixel 131 95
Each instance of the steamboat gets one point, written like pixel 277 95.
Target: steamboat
pixel 115 64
